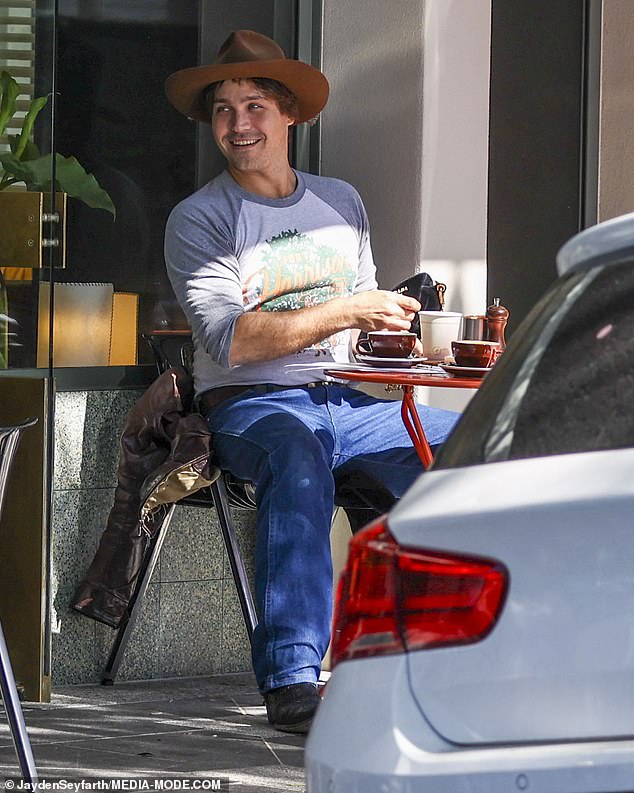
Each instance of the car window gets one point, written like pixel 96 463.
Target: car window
pixel 565 383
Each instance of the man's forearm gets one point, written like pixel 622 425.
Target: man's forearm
pixel 265 336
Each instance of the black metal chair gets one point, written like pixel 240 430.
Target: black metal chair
pixel 361 502
pixel 9 439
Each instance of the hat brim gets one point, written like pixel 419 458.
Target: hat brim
pixel 185 88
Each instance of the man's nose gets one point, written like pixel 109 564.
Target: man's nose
pixel 240 120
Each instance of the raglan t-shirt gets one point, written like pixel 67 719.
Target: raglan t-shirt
pixel 229 251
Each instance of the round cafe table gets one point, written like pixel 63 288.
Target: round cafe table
pixel 408 379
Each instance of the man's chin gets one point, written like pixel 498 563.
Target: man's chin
pixel 243 164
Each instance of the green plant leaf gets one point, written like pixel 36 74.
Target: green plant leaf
pixel 32 173
pixel 24 163
pixel 73 179
pixel 31 151
pixel 9 91
pixel 70 177
pixel 27 124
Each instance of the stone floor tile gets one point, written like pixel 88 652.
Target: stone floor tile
pixel 204 727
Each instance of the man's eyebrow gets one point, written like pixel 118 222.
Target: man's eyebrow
pixel 221 100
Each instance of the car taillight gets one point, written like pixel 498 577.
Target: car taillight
pixel 394 599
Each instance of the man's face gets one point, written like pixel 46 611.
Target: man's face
pixel 249 128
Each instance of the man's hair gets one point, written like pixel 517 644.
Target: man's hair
pixel 283 97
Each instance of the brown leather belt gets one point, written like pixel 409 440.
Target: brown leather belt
pixel 209 399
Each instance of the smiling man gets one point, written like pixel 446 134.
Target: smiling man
pixel 274 270
pixel 250 124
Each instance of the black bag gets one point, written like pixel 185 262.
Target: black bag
pixel 429 293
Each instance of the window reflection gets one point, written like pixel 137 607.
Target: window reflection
pixel 111 115
pixel 108 65
pixel 113 58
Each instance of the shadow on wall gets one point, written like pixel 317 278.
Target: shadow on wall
pixel 407 125
pixel 384 127
pixel 372 133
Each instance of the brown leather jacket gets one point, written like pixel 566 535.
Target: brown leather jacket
pixel 165 454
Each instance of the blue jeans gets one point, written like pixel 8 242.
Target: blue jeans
pixel 291 443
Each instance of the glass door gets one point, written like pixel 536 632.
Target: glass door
pixel 29 237
pixel 31 242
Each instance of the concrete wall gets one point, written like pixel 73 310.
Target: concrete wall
pixel 455 149
pixel 616 142
pixel 372 126
pixel 407 124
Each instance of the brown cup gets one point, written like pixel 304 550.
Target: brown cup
pixel 387 344
pixel 475 353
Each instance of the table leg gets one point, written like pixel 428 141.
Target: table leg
pixel 412 423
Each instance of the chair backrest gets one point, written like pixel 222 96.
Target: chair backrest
pixel 171 348
pixel 9 439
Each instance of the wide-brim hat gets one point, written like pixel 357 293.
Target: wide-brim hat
pixel 247 54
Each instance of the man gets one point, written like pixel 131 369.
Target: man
pixel 274 271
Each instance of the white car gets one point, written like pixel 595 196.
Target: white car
pixel 484 630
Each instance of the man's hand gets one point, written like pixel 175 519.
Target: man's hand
pixel 381 310
pixel 418 349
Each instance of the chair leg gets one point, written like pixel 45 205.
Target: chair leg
pixel 219 494
pixel 125 631
pixel 15 717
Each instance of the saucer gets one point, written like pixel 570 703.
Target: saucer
pixel 466 371
pixel 403 363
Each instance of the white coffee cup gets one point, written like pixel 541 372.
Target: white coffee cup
pixel 438 329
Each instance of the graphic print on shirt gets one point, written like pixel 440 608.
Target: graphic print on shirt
pixel 298 272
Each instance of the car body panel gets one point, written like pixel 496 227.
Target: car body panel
pixel 560 661
pixel 369 737
pixel 608 243
pixel 537 474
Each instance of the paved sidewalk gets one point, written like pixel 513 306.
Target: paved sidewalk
pixel 197 727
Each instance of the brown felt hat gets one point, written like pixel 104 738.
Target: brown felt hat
pixel 247 54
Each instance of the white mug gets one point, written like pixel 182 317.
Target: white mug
pixel 438 329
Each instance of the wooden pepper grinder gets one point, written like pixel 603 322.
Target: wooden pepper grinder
pixel 497 317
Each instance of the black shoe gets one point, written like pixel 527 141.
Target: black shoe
pixel 291 708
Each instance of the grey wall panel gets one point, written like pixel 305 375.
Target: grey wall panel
pixel 535 145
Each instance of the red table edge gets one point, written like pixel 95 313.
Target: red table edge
pixel 408 380
pixel 405 377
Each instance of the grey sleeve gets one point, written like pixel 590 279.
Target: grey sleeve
pixel 205 276
pixel 366 279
